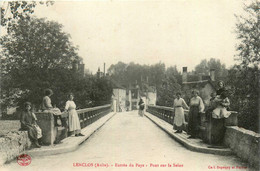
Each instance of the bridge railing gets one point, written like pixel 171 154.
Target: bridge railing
pixel 89 115
pixel 164 113
pixel 52 134
pixel 167 114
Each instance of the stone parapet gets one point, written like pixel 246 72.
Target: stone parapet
pixel 244 143
pixel 9 125
pixel 46 123
pixel 12 144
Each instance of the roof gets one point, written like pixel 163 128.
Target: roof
pixel 201 83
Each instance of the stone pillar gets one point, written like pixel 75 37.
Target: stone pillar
pixel 46 123
pixel 232 119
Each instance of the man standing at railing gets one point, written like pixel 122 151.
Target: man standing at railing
pixel 179 118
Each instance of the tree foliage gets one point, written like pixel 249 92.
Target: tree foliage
pixel 36 54
pixel 244 95
pixel 244 77
pixel 15 10
pixel 126 74
pixel 167 91
pixel 36 42
pixel 248 32
pixel 165 80
pixel 205 66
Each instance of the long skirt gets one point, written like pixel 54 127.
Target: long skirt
pixel 179 118
pixel 217 130
pixel 34 132
pixel 74 124
pixel 193 124
pixel 141 112
pixel 39 131
pixel 54 111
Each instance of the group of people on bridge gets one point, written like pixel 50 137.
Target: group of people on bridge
pixel 28 118
pixel 216 112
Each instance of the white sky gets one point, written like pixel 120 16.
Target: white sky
pixel 177 32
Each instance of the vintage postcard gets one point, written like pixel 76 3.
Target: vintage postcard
pixel 129 85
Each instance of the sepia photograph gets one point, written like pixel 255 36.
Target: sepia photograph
pixel 108 85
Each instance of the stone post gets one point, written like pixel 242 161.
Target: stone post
pixel 232 119
pixel 46 123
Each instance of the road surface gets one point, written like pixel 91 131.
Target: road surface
pixel 130 142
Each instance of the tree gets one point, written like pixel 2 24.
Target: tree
pixel 248 32
pixel 172 70
pixel 167 91
pixel 156 74
pixel 34 55
pixel 165 81
pixel 37 42
pixel 244 77
pixel 15 10
pixel 244 93
pixel 205 66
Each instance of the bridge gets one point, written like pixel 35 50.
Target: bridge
pixel 125 141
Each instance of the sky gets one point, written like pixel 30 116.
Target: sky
pixel 176 32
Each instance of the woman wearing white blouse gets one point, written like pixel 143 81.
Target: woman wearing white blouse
pixel 179 118
pixel 196 106
pixel 74 124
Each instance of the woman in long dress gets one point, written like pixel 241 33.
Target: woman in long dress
pixel 196 106
pixel 218 118
pixel 141 107
pixel 179 117
pixel 28 123
pixel 74 124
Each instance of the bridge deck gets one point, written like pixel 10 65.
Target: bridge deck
pixel 128 138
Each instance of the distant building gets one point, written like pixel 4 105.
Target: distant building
pixel 204 84
pixel 151 97
pixel 101 74
pixel 127 98
pixel 79 67
pixel 119 96
pixel 134 96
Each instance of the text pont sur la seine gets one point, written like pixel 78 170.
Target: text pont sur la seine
pixel 126 165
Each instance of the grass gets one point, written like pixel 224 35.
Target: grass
pixel 9 125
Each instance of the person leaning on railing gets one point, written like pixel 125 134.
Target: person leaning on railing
pixel 179 118
pixel 47 107
pixel 196 107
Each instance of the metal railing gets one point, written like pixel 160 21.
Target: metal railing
pixel 167 114
pixel 89 115
pixel 164 113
